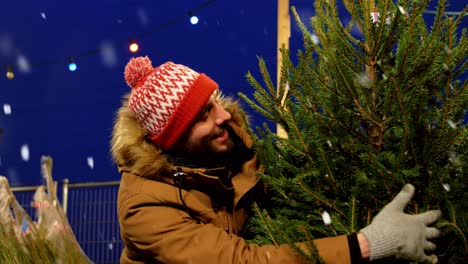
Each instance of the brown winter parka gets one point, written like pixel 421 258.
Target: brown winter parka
pixel 176 214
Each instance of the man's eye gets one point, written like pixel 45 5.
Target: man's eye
pixel 204 113
pixel 204 117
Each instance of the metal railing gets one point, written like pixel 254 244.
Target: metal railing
pixel 91 210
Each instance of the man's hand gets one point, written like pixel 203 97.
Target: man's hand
pixel 393 233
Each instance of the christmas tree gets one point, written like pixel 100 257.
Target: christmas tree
pixel 49 239
pixel 364 114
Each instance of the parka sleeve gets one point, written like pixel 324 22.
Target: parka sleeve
pixel 166 234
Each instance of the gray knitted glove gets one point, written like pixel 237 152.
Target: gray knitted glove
pixel 393 233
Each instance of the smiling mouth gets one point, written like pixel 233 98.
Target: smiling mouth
pixel 222 135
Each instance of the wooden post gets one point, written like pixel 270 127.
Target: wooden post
pixel 284 33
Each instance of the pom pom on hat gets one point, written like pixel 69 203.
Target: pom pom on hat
pixel 136 70
pixel 166 99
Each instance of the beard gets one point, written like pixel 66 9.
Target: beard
pixel 211 150
pixel 210 153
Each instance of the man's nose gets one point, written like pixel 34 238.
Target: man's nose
pixel 221 115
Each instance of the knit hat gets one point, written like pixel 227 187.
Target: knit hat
pixel 166 99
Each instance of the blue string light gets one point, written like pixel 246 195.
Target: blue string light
pixel 194 20
pixel 72 66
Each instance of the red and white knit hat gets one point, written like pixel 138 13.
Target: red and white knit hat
pixel 166 99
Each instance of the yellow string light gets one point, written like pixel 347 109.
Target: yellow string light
pixel 10 74
pixel 133 46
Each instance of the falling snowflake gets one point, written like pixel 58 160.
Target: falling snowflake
pixel 326 218
pixel 315 39
pixel 453 157
pixel 447 50
pixel 364 80
pixel 402 10
pixel 142 16
pixel 446 187
pixel 6 45
pixel 7 109
pixel 25 152
pixel 375 17
pixel 451 124
pixel 108 54
pixel 43 15
pixel 90 162
pixel 23 64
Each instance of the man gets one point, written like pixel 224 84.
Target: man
pixel 189 179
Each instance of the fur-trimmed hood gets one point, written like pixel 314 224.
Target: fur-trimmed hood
pixel 131 148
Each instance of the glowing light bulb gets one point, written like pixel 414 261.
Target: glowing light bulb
pixel 10 74
pixel 194 20
pixel 133 47
pixel 72 65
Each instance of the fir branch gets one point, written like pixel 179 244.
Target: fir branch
pixel 343 227
pixel 311 247
pixel 257 108
pixel 453 223
pixel 298 134
pixel 325 161
pixel 408 44
pixel 340 36
pixel 353 213
pixel 266 77
pixel 365 113
pixel 350 130
pixel 314 78
pixel 453 139
pixel 367 9
pixel 459 15
pixel 404 114
pixel 258 88
pixel 305 32
pixel 265 224
pixel 351 7
pixel 317 197
pixel 290 145
pixel 381 28
pixel 432 41
pixel 448 82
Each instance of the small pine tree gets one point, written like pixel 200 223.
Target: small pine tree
pixel 50 239
pixel 364 115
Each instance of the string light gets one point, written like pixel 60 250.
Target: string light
pixel 194 20
pixel 72 65
pixel 10 74
pixel 133 46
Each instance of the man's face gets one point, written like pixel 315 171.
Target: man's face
pixel 208 137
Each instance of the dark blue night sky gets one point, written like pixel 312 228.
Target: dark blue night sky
pixel 49 110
